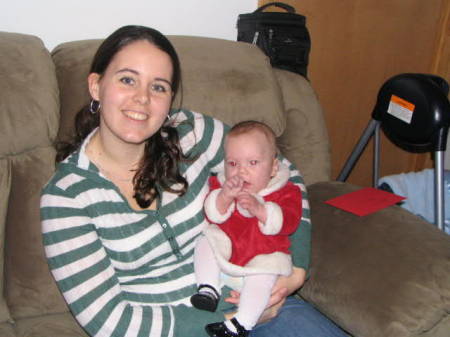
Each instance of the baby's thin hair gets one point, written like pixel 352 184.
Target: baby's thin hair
pixel 251 125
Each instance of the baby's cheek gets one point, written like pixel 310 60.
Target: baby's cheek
pixel 230 172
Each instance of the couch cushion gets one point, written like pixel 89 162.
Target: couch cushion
pixel 440 330
pixel 30 288
pixel 383 275
pixel 231 81
pixel 57 325
pixel 5 184
pixel 28 83
pixel 7 330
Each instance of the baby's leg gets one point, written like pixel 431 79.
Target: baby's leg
pixel 207 270
pixel 207 273
pixel 255 295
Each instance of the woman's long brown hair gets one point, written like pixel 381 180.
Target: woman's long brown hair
pixel 158 170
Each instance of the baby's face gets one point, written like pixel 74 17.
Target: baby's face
pixel 251 157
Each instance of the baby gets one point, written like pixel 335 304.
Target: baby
pixel 253 209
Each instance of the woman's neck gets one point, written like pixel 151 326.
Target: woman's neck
pixel 117 159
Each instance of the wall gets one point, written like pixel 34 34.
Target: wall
pixel 356 46
pixel 60 21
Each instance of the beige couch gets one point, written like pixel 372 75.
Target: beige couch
pixel 384 275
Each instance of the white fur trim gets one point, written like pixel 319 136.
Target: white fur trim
pixel 274 220
pixel 221 177
pixel 275 263
pixel 211 210
pixel 220 242
pixel 277 182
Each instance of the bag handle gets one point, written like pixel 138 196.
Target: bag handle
pixel 286 7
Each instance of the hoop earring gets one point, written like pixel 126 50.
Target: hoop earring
pixel 168 120
pixel 94 106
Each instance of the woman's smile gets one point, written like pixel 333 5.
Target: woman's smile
pixel 136 115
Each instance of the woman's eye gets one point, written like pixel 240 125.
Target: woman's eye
pixel 127 80
pixel 159 88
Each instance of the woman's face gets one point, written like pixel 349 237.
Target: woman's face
pixel 134 92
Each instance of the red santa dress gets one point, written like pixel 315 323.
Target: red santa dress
pixel 241 244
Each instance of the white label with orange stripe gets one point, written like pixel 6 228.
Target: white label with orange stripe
pixel 400 108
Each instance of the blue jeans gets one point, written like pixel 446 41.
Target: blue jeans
pixel 298 318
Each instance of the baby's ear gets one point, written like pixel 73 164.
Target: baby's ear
pixel 275 166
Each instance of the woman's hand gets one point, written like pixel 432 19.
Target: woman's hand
pixel 284 286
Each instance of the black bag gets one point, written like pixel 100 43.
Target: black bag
pixel 282 36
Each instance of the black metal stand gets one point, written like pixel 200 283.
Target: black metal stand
pixel 373 129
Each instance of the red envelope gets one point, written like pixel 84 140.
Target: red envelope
pixel 365 201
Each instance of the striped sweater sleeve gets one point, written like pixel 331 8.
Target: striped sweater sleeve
pixel 301 239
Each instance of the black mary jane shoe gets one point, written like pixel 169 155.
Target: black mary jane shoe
pixel 205 300
pixel 220 329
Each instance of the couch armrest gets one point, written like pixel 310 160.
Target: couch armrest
pixel 305 139
pixel 386 274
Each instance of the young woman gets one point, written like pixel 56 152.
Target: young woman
pixel 122 212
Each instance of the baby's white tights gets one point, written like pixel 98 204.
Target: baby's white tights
pixel 255 293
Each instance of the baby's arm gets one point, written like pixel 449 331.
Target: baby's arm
pixel 230 190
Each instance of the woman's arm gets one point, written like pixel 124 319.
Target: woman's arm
pixel 292 282
pixel 301 238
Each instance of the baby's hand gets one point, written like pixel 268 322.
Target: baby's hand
pixel 232 187
pixel 230 190
pixel 247 201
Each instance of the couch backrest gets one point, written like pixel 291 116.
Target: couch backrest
pixel 222 78
pixel 229 80
pixel 29 114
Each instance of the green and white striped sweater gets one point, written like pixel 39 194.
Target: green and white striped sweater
pixel 130 273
